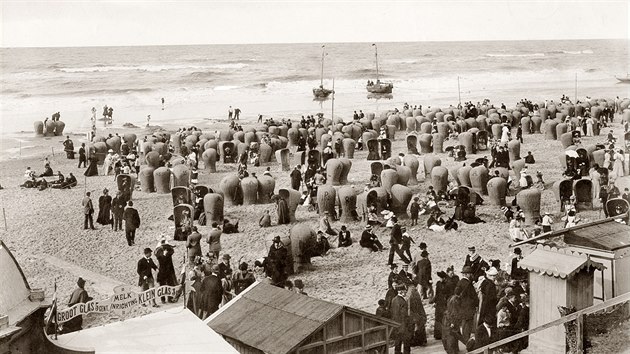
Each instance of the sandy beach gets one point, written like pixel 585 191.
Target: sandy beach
pixel 44 229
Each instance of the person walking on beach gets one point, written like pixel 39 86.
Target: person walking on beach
pixel 230 113
pixel 237 113
pixel 145 272
pixel 148 119
pixel 162 103
pixel 88 210
pixel 82 156
pixel 132 222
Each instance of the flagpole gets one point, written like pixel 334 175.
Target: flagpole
pixel 332 114
pixel 459 93
pixel 55 310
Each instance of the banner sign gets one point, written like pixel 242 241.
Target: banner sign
pixel 124 299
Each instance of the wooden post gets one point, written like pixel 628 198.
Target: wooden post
pixel 4 215
pixel 579 334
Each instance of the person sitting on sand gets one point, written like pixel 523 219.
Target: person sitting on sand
pixel 321 245
pixel 229 228
pixel 265 220
pixel 48 171
pixel 529 159
pixel 370 240
pixel 344 237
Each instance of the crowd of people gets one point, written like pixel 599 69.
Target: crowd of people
pixel 485 305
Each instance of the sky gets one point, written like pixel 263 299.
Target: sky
pixel 63 23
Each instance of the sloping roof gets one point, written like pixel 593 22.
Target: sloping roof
pixel 609 235
pixel 168 331
pixel 272 319
pixel 15 291
pixel 556 262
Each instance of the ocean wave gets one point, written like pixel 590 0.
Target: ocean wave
pixel 98 92
pixel 149 68
pixel 204 74
pixel 225 88
pixel 509 55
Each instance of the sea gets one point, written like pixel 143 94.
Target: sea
pixel 201 82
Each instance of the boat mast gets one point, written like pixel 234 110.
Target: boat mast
pixel 376 59
pixel 321 81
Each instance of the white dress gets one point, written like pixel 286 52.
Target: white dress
pixel 505 137
pixel 617 165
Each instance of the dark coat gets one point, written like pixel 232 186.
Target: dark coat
pixel 396 235
pixel 423 276
pixel 399 312
pixel 132 218
pixel 482 338
pixel 145 268
pixel 211 294
pixel 166 270
pixel 487 301
pixel 118 206
pixel 468 298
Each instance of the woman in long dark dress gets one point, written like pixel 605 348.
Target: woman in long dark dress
pixel 104 208
pixel 92 169
pixel 283 211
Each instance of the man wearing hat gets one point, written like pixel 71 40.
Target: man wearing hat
pixel 546 222
pixel 476 263
pixel 145 272
pixel 399 312
pixel 423 274
pixel 211 292
pixel 243 278
pixel 79 296
pixel 468 302
pixel 193 246
pixel 393 276
pixel 488 296
pixel 224 266
pixel 88 210
pixel 277 257
pixel 166 269
pixel 132 222
pixel 517 273
pixel 370 240
pixel 324 224
pixel 395 241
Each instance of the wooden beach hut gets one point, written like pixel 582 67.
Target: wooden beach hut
pixel 21 309
pixel 557 277
pixel 268 319
pixel 608 242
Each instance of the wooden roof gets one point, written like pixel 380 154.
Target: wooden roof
pixel 556 262
pixel 273 319
pixel 609 235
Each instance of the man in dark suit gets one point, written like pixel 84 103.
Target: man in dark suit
pixel 399 312
pixel 477 264
pixel 82 156
pixel 468 302
pixel 145 272
pixel 118 208
pixel 423 274
pixel 132 222
pixel 395 241
pixel 88 210
pixel 211 293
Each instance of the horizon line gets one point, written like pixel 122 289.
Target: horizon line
pixel 319 42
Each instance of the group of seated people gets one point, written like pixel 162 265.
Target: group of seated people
pixel 32 180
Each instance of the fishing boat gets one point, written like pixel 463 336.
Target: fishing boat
pixel 378 87
pixel 625 80
pixel 321 92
